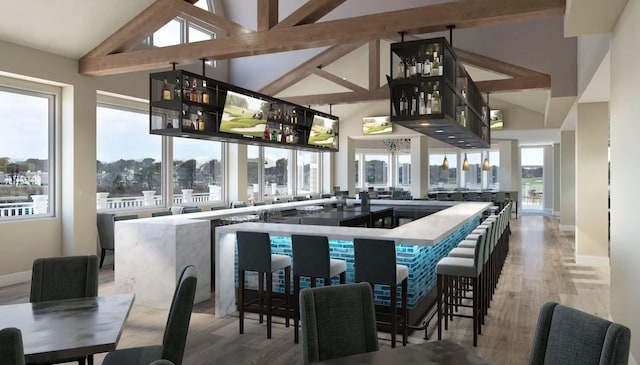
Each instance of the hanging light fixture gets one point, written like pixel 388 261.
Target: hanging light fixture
pixel 396 144
pixel 485 165
pixel 465 163
pixel 445 162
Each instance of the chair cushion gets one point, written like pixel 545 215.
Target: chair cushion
pixel 473 236
pixel 456 266
pixel 337 267
pixel 280 262
pixel 402 272
pixel 133 356
pixel 465 252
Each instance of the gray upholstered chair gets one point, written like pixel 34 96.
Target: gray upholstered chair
pixel 175 333
pixel 568 336
pixel 191 210
pixel 57 278
pixel 337 321
pixel 11 350
pixel 106 231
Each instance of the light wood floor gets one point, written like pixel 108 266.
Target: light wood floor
pixel 540 268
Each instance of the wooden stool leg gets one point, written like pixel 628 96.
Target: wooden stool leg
pixel 405 311
pixel 394 318
pixel 296 316
pixel 269 304
pixel 261 294
pixel 287 294
pixel 241 299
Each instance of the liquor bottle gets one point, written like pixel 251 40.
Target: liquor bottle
pixel 194 124
pixel 429 105
pixel 205 93
pixel 294 117
pixel 400 70
pixel 463 119
pixel 200 121
pixel 271 114
pixel 426 67
pixel 186 92
pixel 267 132
pixel 419 66
pixel 177 90
pixel 422 106
pixel 404 107
pixel 196 96
pixel 414 101
pixel 166 93
pixel 440 65
pixel 435 65
pixel 412 67
pixel 436 102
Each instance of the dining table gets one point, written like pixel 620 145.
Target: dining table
pixel 445 352
pixel 53 331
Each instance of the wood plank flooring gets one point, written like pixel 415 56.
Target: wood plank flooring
pixel 540 268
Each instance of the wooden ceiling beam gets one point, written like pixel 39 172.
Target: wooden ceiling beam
pixel 374 64
pixel 210 18
pixel 267 14
pixel 516 84
pixel 323 59
pixel 137 29
pixel 338 80
pixel 493 64
pixel 309 13
pixel 341 98
pixel 362 28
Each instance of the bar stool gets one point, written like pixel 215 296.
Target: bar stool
pixel 375 263
pixel 311 259
pixel 449 271
pixel 254 254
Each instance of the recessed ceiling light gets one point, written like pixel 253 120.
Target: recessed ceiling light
pixel 460 141
pixel 439 131
pixel 425 124
pixel 451 137
pixel 468 145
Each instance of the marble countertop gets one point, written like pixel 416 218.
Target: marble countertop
pixel 426 231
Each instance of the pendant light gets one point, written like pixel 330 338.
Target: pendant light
pixel 485 165
pixel 465 163
pixel 445 162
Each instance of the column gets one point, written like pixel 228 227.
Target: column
pixel 567 180
pixel 592 189
pixel 419 166
pixel 237 172
pixel 547 197
pixel 556 179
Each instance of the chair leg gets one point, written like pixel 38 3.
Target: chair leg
pixel 261 295
pixel 269 304
pixel 296 316
pixel 474 315
pixel 343 277
pixel 287 293
pixel 241 299
pixel 439 306
pixel 405 311
pixel 394 319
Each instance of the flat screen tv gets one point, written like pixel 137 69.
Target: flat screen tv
pixel 496 120
pixel 244 115
pixel 376 125
pixel 323 132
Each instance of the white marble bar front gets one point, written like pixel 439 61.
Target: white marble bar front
pixel 150 254
pixel 426 231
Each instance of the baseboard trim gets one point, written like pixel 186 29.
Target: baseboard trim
pixel 15 278
pixel 567 227
pixel 592 260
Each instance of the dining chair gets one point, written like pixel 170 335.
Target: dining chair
pixel 68 277
pixel 162 362
pixel 106 232
pixel 11 350
pixel 161 213
pixel 191 210
pixel 337 321
pixel 175 333
pixel 568 336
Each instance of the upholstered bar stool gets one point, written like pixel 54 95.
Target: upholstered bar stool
pixel 449 271
pixel 375 263
pixel 254 254
pixel 311 259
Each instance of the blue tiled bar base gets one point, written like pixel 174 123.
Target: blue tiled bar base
pixel 421 261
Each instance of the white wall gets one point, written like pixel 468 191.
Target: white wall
pixel 556 179
pixel 624 112
pixel 73 229
pixel 567 180
pixel 591 50
pixel 592 132
pixel 547 200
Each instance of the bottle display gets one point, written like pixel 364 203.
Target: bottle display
pixel 166 92
pixel 426 66
pixel 205 92
pixel 177 90
pixel 414 101
pixel 201 125
pixel 436 106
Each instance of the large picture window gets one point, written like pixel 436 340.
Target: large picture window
pixel 376 170
pixel 404 170
pixel 129 166
pixel 26 153
pixel 197 171
pixel 472 178
pixel 277 172
pixel 439 178
pixel 307 172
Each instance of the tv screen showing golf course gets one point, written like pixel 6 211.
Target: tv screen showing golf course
pixel 244 115
pixel 497 120
pixel 323 132
pixel 376 125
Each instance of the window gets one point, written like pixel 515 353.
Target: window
pixel 532 161
pixel 169 35
pixel 253 173
pixel 307 172
pixel 26 153
pixel 404 170
pixel 358 183
pixel 197 171
pixel 439 178
pixel 276 172
pixel 472 178
pixel 492 175
pixel 376 170
pixel 129 172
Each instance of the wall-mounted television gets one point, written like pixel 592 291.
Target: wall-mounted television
pixel 323 132
pixel 496 120
pixel 376 125
pixel 244 115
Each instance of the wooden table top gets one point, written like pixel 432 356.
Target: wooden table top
pixel 437 352
pixel 63 329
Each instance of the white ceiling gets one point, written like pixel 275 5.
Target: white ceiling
pixel 534 100
pixel 599 87
pixel 591 16
pixel 69 28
